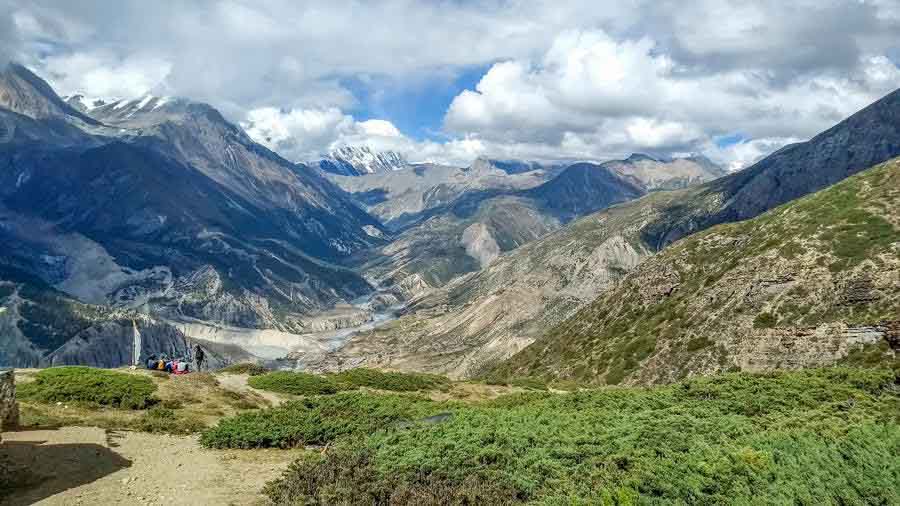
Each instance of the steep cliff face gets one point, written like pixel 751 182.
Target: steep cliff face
pixel 43 327
pixel 811 283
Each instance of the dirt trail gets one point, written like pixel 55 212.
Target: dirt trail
pixel 86 465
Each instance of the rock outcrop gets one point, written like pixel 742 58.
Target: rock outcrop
pixel 9 408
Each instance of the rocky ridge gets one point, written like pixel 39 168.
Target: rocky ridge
pixel 812 283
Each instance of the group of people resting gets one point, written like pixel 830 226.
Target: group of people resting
pixel 176 365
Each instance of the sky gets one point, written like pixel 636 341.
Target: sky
pixel 448 81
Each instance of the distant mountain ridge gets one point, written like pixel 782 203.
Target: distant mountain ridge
pixel 361 160
pixel 465 222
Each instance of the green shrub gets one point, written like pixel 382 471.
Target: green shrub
pixel 350 477
pixel 765 320
pixel 86 384
pixel 246 368
pixel 393 381
pixel 300 383
pixel 297 383
pixel 827 436
pixel 315 420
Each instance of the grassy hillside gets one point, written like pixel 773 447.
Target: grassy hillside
pixel 813 282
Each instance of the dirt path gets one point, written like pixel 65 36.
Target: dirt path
pixel 86 465
pixel 238 383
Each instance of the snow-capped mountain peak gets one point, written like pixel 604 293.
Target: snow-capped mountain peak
pixel 361 160
pixel 84 103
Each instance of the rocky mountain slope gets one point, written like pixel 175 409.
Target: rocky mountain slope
pixel 164 206
pixel 360 160
pixel 472 324
pixel 478 227
pixel 487 217
pixel 667 174
pixel 43 327
pixel 181 188
pixel 403 198
pixel 810 283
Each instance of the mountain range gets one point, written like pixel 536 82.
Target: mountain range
pixel 166 207
pixel 451 221
pixel 157 216
pixel 474 323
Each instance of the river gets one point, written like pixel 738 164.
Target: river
pixel 273 345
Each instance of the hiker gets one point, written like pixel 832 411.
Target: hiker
pixel 152 362
pixel 199 356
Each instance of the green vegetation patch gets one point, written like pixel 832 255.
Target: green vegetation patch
pixel 89 385
pixel 296 383
pixel 300 383
pixel 392 381
pixel 246 368
pixel 316 420
pixel 162 420
pixel 826 436
pixel 765 320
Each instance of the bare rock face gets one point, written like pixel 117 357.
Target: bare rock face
pixel 9 409
pixel 110 343
pixel 479 244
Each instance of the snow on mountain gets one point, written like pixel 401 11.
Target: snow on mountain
pixel 84 103
pixel 361 160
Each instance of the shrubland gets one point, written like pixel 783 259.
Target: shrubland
pixel 817 436
pixel 88 385
pixel 301 383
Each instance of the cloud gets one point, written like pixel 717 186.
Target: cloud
pixel 101 74
pixel 605 97
pixel 566 79
pixel 10 39
pixel 309 134
pixel 745 152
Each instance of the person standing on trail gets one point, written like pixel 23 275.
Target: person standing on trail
pixel 199 356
